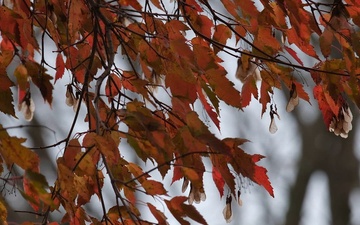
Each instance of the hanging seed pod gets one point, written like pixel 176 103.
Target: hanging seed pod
pixel 272 127
pixel 293 100
pixel 27 106
pixel 185 185
pixel 342 124
pixel 238 198
pixel 70 98
pixel 245 71
pixel 227 211
pixel 196 195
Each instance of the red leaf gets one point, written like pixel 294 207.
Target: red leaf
pixel 260 176
pixel 248 89
pixel 60 67
pixel 245 164
pixel 209 109
pixel 223 87
pixel 323 105
pixel 219 181
pixel 294 55
pixel 177 172
pixel 304 46
pixel 180 210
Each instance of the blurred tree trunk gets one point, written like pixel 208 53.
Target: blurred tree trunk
pixel 332 155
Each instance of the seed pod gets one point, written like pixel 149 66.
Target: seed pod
pixel 294 99
pixel 227 211
pixel 27 106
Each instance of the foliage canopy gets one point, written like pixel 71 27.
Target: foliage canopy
pixel 172 47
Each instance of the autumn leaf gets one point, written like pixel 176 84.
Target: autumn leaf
pixel 36 189
pixel 6 97
pixel 159 216
pixel 221 35
pixel 223 88
pixel 180 210
pixel 142 69
pixel 3 210
pixel 41 79
pixel 218 180
pixel 21 74
pixel 12 151
pixel 326 104
pixel 60 67
pixel 248 166
pixel 208 108
pixel 294 55
pixel 260 176
pixel 153 187
pixel 249 89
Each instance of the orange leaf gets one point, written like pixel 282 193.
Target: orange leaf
pixel 3 211
pixel 132 3
pixel 130 194
pixel 108 147
pixel 21 74
pixel 70 153
pixel 159 216
pixel 153 187
pixel 247 7
pixel 222 34
pixel 203 25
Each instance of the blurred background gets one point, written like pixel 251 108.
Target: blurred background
pixel 315 174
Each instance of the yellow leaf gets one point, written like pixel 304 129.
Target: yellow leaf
pixel 21 75
pixel 12 151
pixel 3 212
